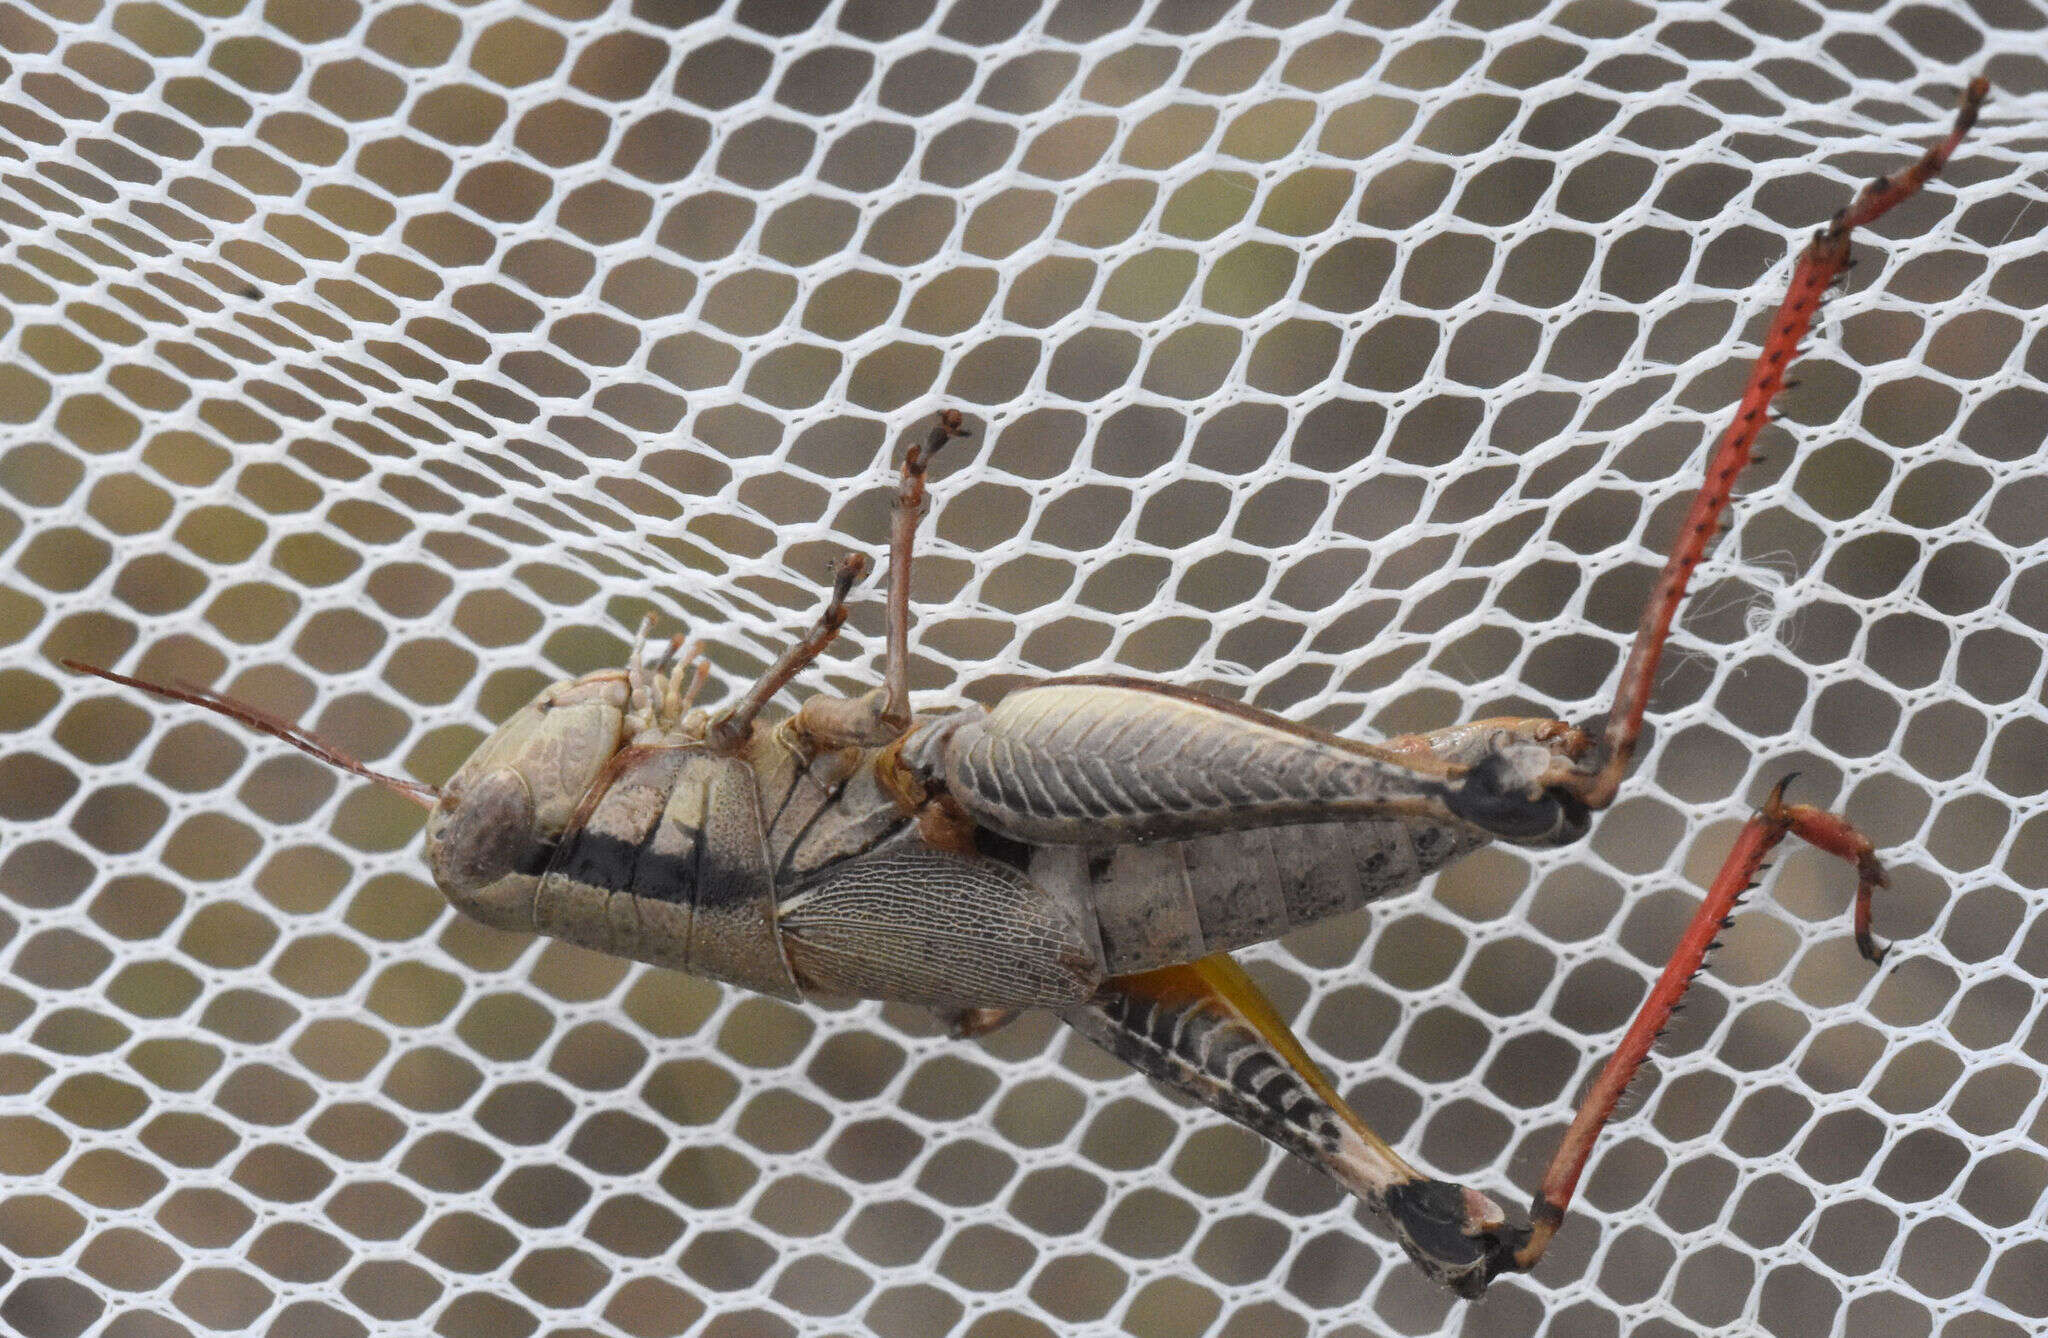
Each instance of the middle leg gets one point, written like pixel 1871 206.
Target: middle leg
pixel 882 716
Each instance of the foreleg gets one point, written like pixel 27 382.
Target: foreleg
pixel 730 729
pixel 657 702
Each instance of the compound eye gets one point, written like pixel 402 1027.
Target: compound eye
pixel 481 835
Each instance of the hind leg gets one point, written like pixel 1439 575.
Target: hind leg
pixel 1596 778
pixel 1205 1030
pixel 1770 825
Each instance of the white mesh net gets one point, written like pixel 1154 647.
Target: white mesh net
pixel 379 364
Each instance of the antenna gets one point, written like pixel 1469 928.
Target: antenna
pixel 305 741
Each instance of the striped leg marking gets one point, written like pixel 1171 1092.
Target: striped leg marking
pixel 1205 1030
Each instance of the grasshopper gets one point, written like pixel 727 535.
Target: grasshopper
pixel 1095 846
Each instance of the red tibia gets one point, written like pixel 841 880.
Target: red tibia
pixel 1759 836
pixel 1819 265
pixel 1823 260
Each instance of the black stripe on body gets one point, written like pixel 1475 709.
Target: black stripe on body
pixel 616 865
pixel 774 813
pixel 599 859
pixel 618 819
pixel 817 809
pixel 537 858
pixel 786 874
pixel 694 876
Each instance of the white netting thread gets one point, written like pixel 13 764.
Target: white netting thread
pixel 381 363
